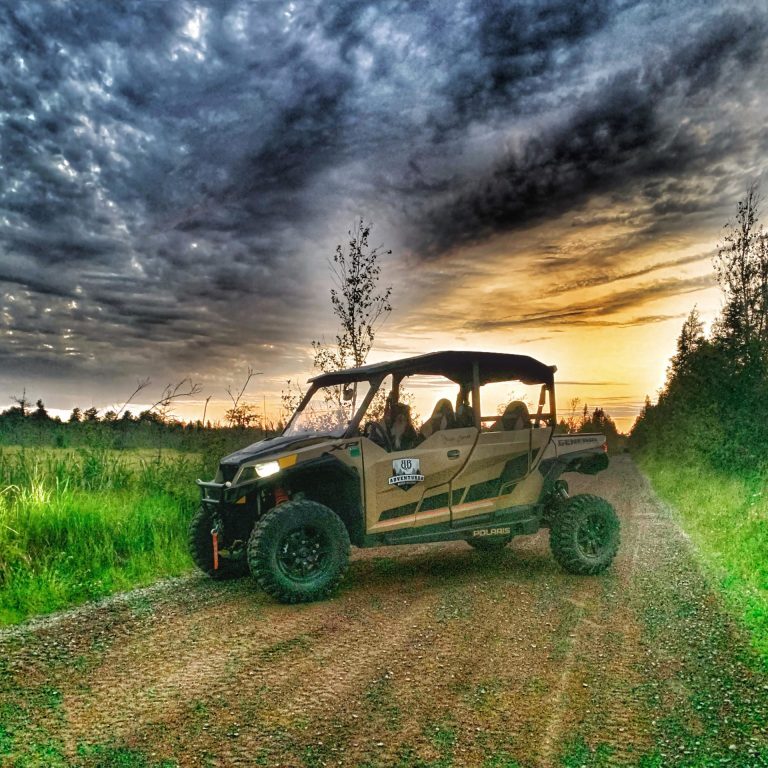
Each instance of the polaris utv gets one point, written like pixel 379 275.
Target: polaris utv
pixel 351 467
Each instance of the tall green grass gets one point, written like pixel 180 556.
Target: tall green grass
pixel 76 525
pixel 727 518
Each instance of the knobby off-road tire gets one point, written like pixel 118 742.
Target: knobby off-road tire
pixel 201 549
pixel 491 544
pixel 584 535
pixel 299 551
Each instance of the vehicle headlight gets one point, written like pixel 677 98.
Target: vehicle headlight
pixel 267 469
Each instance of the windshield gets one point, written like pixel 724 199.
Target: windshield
pixel 329 411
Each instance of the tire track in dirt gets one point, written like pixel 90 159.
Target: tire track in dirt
pixel 560 700
pixel 604 636
pixel 279 651
pixel 458 675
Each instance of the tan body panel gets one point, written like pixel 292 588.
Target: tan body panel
pixel 388 507
pixel 492 453
pixel 346 450
pixel 562 445
pixel 445 494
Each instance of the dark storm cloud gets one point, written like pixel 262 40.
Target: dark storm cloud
pixel 619 132
pixel 509 53
pixel 172 174
pixel 154 157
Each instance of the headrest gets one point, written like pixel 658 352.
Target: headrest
pixel 517 409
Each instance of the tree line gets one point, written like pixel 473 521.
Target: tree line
pixel 582 420
pixel 713 407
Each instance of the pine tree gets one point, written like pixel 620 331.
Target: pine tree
pixel 741 266
pixel 690 341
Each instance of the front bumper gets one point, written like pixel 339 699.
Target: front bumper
pixel 213 494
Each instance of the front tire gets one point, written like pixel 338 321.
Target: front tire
pixel 201 548
pixel 584 535
pixel 299 551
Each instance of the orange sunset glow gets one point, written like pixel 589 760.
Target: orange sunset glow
pixel 609 330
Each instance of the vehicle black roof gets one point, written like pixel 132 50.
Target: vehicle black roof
pixel 457 366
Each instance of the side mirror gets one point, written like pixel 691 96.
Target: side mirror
pixel 348 393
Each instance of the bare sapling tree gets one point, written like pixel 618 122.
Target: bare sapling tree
pixel 205 409
pixel 172 393
pixel 360 306
pixel 290 399
pixel 22 403
pixel 242 414
pixel 572 422
pixel 358 303
pixel 141 384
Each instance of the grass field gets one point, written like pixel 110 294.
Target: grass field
pixel 77 525
pixel 727 518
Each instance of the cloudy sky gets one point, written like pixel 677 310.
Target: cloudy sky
pixel 551 177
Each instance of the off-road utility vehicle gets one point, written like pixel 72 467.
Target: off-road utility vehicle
pixel 351 467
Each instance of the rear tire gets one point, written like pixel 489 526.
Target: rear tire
pixel 299 551
pixel 489 545
pixel 201 548
pixel 584 535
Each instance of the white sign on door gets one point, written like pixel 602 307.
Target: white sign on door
pixel 405 473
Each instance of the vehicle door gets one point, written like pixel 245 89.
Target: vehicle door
pixel 499 474
pixel 411 487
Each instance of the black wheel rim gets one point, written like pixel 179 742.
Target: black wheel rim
pixel 593 535
pixel 304 554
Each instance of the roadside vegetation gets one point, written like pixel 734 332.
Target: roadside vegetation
pixel 704 443
pixel 101 503
pixel 78 525
pixel 726 515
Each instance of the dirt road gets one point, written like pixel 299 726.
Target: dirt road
pixel 430 656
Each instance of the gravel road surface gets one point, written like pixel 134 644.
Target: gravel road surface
pixel 432 656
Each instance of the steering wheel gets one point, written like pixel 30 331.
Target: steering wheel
pixel 377 434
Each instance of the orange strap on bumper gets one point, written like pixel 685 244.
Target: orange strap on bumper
pixel 215 538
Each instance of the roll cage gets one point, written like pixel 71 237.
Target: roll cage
pixel 470 370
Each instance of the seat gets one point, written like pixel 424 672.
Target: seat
pixel 375 432
pixel 442 418
pixel 515 416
